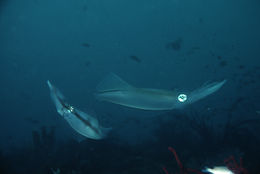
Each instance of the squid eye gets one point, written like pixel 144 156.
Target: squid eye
pixel 182 98
pixel 71 109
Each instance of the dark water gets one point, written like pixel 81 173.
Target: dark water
pixel 170 44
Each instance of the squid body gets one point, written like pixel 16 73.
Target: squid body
pixel 81 122
pixel 115 90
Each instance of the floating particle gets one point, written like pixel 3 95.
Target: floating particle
pixel 223 63
pixel 87 63
pixel 175 45
pixel 241 67
pixel 135 58
pixel 86 45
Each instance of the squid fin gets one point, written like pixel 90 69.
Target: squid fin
pixel 106 130
pixel 112 82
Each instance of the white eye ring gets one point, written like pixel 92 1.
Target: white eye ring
pixel 71 109
pixel 182 98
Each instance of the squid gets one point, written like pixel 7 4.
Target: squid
pixel 115 90
pixel 81 122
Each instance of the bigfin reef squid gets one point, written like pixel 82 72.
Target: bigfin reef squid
pixel 81 122
pixel 115 90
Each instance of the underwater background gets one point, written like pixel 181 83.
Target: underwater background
pixel 170 44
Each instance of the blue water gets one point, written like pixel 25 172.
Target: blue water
pixel 170 44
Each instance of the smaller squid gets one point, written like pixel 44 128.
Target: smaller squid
pixel 81 122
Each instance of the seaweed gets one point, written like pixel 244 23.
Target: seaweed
pixel 198 136
pixel 238 129
pixel 183 169
pixel 230 163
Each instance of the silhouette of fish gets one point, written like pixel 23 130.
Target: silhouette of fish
pixel 223 63
pixel 136 59
pixel 86 45
pixel 175 45
pixel 87 63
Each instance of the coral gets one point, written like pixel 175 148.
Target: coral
pixel 236 168
pixel 183 170
pixel 230 162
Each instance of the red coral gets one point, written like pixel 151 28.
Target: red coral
pixel 182 168
pixel 236 168
pixel 230 162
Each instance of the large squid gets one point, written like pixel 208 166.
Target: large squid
pixel 115 90
pixel 81 122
